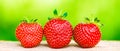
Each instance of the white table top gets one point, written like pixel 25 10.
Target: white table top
pixel 101 46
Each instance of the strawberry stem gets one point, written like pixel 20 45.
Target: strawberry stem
pixel 29 21
pixel 95 20
pixel 60 13
pixel 26 19
pixel 56 15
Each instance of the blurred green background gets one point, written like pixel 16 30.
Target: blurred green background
pixel 12 11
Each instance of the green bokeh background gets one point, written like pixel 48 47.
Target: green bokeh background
pixel 12 11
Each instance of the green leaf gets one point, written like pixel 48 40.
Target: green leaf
pixel 23 20
pixel 65 14
pixel 26 19
pixel 87 19
pixel 31 20
pixel 96 20
pixel 35 20
pixel 49 18
pixel 55 12
pixel 100 25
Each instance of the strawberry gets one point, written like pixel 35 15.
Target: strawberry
pixel 58 32
pixel 87 35
pixel 29 33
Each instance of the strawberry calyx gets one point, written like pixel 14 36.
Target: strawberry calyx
pixel 59 16
pixel 95 21
pixel 26 20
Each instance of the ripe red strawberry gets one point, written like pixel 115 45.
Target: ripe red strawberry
pixel 87 35
pixel 58 32
pixel 29 34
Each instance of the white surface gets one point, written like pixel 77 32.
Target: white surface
pixel 101 46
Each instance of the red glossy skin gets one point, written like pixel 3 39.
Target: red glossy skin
pixel 86 35
pixel 29 34
pixel 58 33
